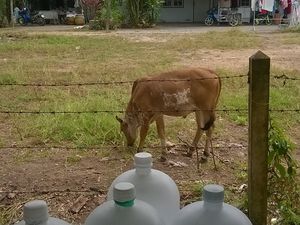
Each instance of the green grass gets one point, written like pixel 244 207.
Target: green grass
pixel 52 59
pixel 73 59
pixel 229 40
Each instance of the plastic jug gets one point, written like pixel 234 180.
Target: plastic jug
pixel 211 211
pixel 152 186
pixel 124 209
pixel 36 213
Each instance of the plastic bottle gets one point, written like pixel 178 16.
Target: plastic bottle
pixel 124 209
pixel 152 186
pixel 211 211
pixel 36 213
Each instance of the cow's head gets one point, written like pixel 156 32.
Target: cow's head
pixel 129 128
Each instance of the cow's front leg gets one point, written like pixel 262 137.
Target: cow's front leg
pixel 160 125
pixel 143 134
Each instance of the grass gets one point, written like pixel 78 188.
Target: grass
pixel 56 59
pixel 70 59
pixel 217 40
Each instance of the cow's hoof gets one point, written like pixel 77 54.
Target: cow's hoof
pixel 162 158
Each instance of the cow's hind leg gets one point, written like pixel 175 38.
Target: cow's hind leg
pixel 160 125
pixel 208 141
pixel 198 135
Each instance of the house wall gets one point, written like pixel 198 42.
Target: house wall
pixel 184 14
pixel 201 8
pixel 193 11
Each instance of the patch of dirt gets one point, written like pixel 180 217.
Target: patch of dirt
pixel 41 172
pixel 287 57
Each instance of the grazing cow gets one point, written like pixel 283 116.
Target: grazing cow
pixel 175 93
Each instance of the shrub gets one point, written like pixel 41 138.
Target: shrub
pixel 3 17
pixel 113 17
pixel 283 187
pixel 142 13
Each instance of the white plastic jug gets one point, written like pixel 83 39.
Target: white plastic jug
pixel 211 211
pixel 124 209
pixel 36 213
pixel 152 186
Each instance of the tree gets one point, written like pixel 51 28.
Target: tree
pixel 3 13
pixel 90 7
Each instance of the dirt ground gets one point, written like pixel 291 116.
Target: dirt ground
pixel 74 185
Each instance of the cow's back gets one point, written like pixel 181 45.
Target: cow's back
pixel 178 92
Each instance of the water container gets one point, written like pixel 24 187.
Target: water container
pixel 152 186
pixel 79 19
pixel 124 209
pixel 211 211
pixel 36 213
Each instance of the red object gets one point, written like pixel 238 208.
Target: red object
pixel 263 11
pixel 288 9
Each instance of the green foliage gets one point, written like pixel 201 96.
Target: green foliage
pixel 2 7
pixel 110 13
pixel 280 159
pixel 3 16
pixel 151 10
pixel 143 13
pixel 283 187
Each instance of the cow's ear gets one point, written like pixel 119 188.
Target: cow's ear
pixel 119 119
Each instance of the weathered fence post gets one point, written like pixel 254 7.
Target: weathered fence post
pixel 259 78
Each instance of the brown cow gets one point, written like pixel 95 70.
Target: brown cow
pixel 175 93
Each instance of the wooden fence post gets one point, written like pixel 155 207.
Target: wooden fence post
pixel 259 79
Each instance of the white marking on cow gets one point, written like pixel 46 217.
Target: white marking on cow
pixel 179 98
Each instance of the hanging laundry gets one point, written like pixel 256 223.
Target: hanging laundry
pixel 284 3
pixel 288 9
pixel 295 14
pixel 267 5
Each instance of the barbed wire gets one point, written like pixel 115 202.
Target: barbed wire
pixel 116 111
pixel 238 110
pixel 285 77
pixel 282 76
pixel 115 147
pixel 91 191
pixel 116 82
pixel 51 191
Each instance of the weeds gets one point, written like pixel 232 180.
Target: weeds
pixel 283 186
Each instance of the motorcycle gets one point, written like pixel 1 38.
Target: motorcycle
pixel 25 17
pixel 263 18
pixel 221 15
pixel 211 18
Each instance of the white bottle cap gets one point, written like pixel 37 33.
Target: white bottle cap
pixel 35 212
pixel 124 192
pixel 143 160
pixel 213 193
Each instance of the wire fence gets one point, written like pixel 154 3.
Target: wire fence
pixel 97 83
pixel 283 77
pixel 102 147
pixel 237 110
